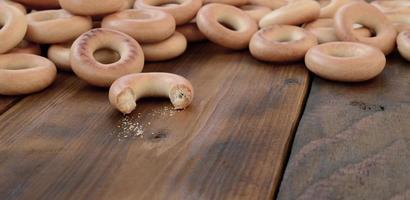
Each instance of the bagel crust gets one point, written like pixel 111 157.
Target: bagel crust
pixel 345 61
pixel 183 12
pixel 145 26
pixel 281 43
pixel 403 44
pixel 85 65
pixel 25 73
pixel 93 7
pixel 56 26
pixel 214 18
pixel 14 27
pixel 170 48
pixel 369 16
pixel 125 91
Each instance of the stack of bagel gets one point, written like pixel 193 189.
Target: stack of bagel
pixel 106 43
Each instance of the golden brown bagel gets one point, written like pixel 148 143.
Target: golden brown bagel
pixel 226 25
pixel 294 13
pixel 145 26
pixel 329 8
pixel 183 12
pixel 345 61
pixel 403 44
pixel 229 2
pixel 55 26
pixel 25 73
pixel 272 4
pixel 400 20
pixel 26 47
pixel 191 32
pixel 59 54
pixel 14 26
pixel 256 12
pixel 16 5
pixel 125 91
pixel 392 6
pixel 170 48
pixel 84 64
pixel 323 29
pixel 40 4
pixel 93 7
pixel 369 16
pixel 281 43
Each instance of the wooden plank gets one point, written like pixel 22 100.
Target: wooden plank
pixel 7 102
pixel 69 143
pixel 353 141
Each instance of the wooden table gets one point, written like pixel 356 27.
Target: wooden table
pixel 234 142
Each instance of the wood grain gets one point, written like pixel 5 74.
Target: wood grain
pixel 69 143
pixel 353 141
pixel 7 102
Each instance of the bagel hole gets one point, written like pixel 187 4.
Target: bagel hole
pixel 357 27
pixel 106 56
pixel 227 25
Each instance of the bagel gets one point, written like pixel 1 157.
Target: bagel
pixel 329 8
pixel 369 16
pixel 125 91
pixel 93 7
pixel 226 25
pixel 401 21
pixel 323 29
pixel 145 26
pixel 403 44
pixel 59 54
pixel 84 64
pixel 40 4
pixel 256 12
pixel 170 48
pixel 229 2
pixel 60 26
pixel 191 32
pixel 392 6
pixel 14 26
pixel 183 12
pixel 26 47
pixel 345 61
pixel 281 43
pixel 272 4
pixel 294 13
pixel 16 5
pixel 25 73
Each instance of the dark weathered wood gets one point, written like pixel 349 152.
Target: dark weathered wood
pixel 69 143
pixel 7 102
pixel 353 141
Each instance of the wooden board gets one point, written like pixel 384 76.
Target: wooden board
pixel 7 102
pixel 69 143
pixel 353 141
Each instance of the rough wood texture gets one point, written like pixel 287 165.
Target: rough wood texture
pixel 353 141
pixel 69 143
pixel 7 102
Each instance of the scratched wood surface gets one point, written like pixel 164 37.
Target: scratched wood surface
pixel 67 142
pixel 353 141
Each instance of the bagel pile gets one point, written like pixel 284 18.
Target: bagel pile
pixel 107 42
